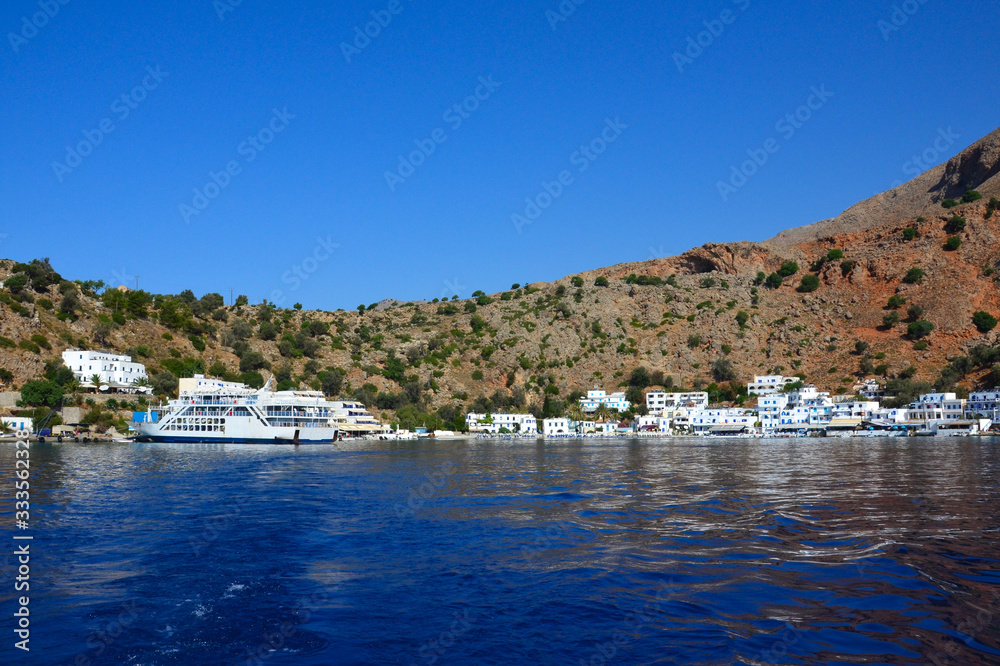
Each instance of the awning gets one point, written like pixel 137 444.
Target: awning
pixel 800 426
pixel 844 423
pixel 728 428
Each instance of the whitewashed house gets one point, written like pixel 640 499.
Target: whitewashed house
pixel 937 407
pixel 984 403
pixel 18 422
pixel 115 370
pixel 557 426
pixel 769 384
pixel 722 421
pixel 652 423
pixel 598 397
pixel 659 402
pixel 524 424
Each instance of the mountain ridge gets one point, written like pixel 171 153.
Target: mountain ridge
pixel 714 315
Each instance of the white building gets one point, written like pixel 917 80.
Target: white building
pixel 18 422
pixel 659 402
pixel 557 426
pixel 597 397
pixel 113 369
pixel 354 419
pixel 769 409
pixel 986 403
pixel 870 389
pixel 709 421
pixel 937 407
pixel 887 415
pixel 769 384
pixel 651 423
pixel 524 424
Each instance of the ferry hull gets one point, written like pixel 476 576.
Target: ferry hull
pixel 170 439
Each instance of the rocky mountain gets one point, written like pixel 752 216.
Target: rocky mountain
pixel 799 303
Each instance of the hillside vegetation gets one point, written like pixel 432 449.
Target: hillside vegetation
pixel 909 298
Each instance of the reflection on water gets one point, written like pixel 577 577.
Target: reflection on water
pixel 645 552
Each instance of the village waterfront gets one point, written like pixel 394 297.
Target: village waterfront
pixel 688 551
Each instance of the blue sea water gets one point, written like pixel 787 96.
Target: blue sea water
pixel 570 552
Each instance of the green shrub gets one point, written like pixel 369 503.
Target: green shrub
pixel 949 203
pixel 914 276
pixel 742 318
pixel 847 267
pixel 166 336
pixel 835 255
pixel 694 341
pixel 914 312
pixel 971 196
pixel 955 225
pixel 953 243
pixel 601 282
pixel 984 321
pixel 774 280
pixel 708 283
pixel 890 319
pixel 7 343
pixel 28 345
pixel 41 341
pixel 760 279
pixel 197 342
pixel 45 304
pixel 920 346
pixel 477 375
pixel 576 281
pixel 809 283
pixel 788 269
pixel 909 233
pixel 895 302
pixel 919 329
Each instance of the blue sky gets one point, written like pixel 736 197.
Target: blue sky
pixel 310 215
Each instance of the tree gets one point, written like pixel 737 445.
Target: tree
pixel 332 381
pixel 914 312
pixel 253 360
pixel 761 278
pixel 601 282
pixel 834 255
pixel 984 321
pixel 919 329
pixel 742 318
pixel 576 281
pixel 971 196
pixel 895 302
pixel 914 276
pixel 809 283
pixel 891 319
pixel 722 370
pixel 41 392
pixel 953 243
pixel 774 280
pixel 909 233
pixel 242 300
pixel 640 378
pixel 164 383
pixel 361 308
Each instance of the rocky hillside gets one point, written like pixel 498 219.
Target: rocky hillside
pixel 798 304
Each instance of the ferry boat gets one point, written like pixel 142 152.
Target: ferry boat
pixel 211 410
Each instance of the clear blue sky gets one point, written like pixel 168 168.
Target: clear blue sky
pixel 447 228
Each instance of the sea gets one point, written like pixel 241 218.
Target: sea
pixel 576 552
